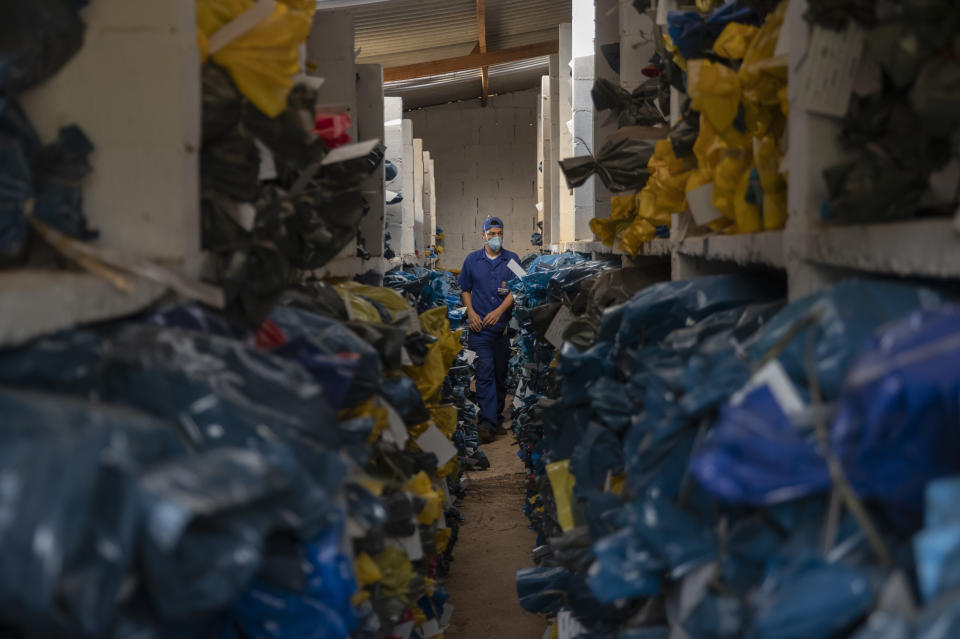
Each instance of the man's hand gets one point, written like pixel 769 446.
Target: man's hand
pixel 474 321
pixel 492 317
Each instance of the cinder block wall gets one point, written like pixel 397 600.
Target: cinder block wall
pixel 486 164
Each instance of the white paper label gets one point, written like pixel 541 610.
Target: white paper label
pixel 405 357
pixel 446 616
pixel 516 268
pixel 517 402
pixel 567 626
pixel 701 205
pixel 243 213
pixel 410 545
pixel 403 630
pixel 559 324
pixel 350 152
pixel 396 430
pixel 434 441
pixel 470 356
pixel 831 68
pixel 268 166
pixel 430 629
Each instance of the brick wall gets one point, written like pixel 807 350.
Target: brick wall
pixel 486 164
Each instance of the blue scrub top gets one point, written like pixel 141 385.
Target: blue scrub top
pixel 483 278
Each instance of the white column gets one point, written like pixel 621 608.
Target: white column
pixel 408 241
pixel 393 132
pixel 637 45
pixel 371 125
pixel 567 211
pixel 584 32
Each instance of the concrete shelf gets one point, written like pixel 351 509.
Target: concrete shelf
pixel 755 248
pixel 922 248
pixel 35 302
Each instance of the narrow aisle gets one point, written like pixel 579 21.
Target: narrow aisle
pixel 494 543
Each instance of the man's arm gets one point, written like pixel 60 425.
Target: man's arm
pixel 494 316
pixel 474 321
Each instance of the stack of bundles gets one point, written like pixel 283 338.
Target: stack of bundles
pixel 561 298
pixel 722 159
pixel 189 477
pixel 901 127
pixel 719 464
pixel 428 288
pixel 275 201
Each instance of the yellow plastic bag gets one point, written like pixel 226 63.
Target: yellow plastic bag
pixel 714 92
pixel 366 570
pixel 773 183
pixel 442 539
pixel 726 179
pixel 307 6
pixel 445 418
pixel 262 61
pixel 733 41
pixel 623 208
pixel 371 408
pixel 562 482
pixel 420 485
pixel 440 355
pixel 665 192
pixel 397 572
pixel 636 235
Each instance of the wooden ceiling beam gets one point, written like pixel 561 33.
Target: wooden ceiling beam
pixel 482 43
pixel 473 61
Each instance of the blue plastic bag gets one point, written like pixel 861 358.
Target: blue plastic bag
pixel 811 599
pixel 896 422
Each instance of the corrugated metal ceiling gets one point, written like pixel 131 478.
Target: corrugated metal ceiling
pixel 465 85
pixel 401 32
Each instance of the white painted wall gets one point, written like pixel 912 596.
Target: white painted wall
pixel 567 218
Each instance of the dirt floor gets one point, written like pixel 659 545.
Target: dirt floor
pixel 494 542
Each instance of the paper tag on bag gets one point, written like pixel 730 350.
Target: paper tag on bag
pixel 434 441
pixel 701 205
pixel 831 68
pixel 396 430
pixel 516 268
pixel 559 324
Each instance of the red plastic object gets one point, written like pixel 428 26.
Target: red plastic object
pixel 333 129
pixel 269 336
pixel 652 71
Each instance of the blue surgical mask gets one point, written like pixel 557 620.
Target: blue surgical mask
pixel 495 243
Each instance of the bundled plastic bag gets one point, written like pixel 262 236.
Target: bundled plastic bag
pixel 39 38
pixel 263 60
pixel 632 109
pixel 71 483
pixel 907 375
pixel 621 165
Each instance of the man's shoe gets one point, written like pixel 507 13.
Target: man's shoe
pixel 486 435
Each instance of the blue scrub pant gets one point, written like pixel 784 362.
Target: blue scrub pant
pixel 493 358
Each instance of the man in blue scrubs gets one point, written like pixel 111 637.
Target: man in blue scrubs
pixel 489 305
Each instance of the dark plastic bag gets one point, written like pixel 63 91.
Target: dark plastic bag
pixel 207 517
pixel 620 165
pixel 71 509
pixel 45 35
pixel 811 599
